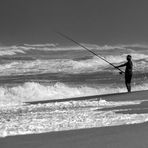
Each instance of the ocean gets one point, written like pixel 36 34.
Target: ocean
pixel 49 72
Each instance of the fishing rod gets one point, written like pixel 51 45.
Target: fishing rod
pixel 65 36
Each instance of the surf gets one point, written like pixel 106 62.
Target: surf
pixel 32 91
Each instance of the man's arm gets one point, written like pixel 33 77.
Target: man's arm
pixel 122 65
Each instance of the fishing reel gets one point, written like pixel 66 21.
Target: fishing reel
pixel 120 72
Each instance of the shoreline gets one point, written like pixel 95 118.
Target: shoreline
pixel 123 136
pixel 108 97
pixel 129 136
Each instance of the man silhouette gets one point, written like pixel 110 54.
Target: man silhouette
pixel 128 72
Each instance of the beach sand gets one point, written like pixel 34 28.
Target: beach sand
pixel 125 136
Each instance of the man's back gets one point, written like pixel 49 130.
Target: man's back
pixel 129 67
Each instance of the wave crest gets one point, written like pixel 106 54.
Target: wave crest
pixel 70 66
pixel 32 91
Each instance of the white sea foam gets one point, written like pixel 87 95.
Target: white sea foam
pixel 40 118
pixel 34 92
pixel 40 45
pixel 18 119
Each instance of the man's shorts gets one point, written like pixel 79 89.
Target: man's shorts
pixel 128 78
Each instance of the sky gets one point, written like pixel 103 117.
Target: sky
pixel 88 21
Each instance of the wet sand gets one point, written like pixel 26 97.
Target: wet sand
pixel 125 136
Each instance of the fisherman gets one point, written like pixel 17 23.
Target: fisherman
pixel 128 72
pixel 128 64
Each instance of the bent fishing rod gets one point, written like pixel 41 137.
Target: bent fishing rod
pixel 68 38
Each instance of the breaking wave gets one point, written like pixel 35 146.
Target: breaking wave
pixel 31 91
pixel 69 66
